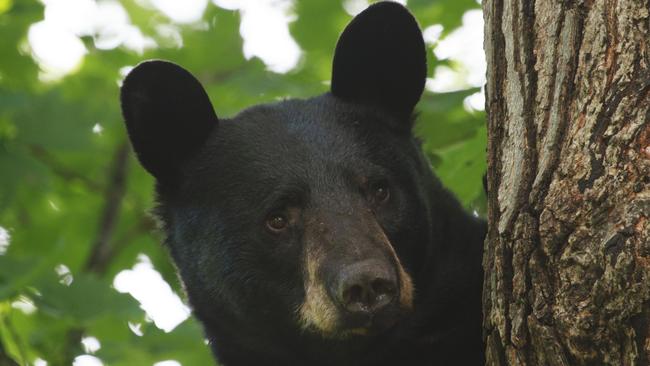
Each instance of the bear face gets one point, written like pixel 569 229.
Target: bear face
pixel 313 231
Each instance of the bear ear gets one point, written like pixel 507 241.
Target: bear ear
pixel 380 59
pixel 168 116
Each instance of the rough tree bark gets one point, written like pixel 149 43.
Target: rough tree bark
pixel 567 257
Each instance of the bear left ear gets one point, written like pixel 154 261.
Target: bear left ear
pixel 168 116
pixel 380 59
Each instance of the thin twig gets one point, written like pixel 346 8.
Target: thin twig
pixel 60 169
pixel 72 345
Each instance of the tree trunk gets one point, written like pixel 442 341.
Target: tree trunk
pixel 567 257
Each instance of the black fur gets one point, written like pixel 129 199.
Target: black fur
pixel 219 181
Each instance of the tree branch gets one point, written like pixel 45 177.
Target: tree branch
pixel 101 251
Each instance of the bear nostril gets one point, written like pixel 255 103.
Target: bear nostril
pixel 366 292
pixel 384 292
pixel 355 298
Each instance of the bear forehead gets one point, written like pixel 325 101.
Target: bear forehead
pixel 296 133
pixel 312 142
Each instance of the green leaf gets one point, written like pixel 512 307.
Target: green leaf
pixel 85 300
pixel 443 121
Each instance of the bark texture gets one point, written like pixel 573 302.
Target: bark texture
pixel 567 257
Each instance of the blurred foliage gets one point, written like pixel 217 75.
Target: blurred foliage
pixel 66 191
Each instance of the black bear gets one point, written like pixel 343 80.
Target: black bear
pixel 313 232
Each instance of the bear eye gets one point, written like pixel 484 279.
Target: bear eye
pixel 380 192
pixel 277 222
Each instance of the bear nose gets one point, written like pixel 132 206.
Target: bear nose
pixel 366 287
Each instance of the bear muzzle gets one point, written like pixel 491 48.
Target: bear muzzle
pixel 354 280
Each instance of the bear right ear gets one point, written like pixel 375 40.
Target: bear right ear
pixel 380 60
pixel 168 116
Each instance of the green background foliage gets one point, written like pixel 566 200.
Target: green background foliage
pixel 66 192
